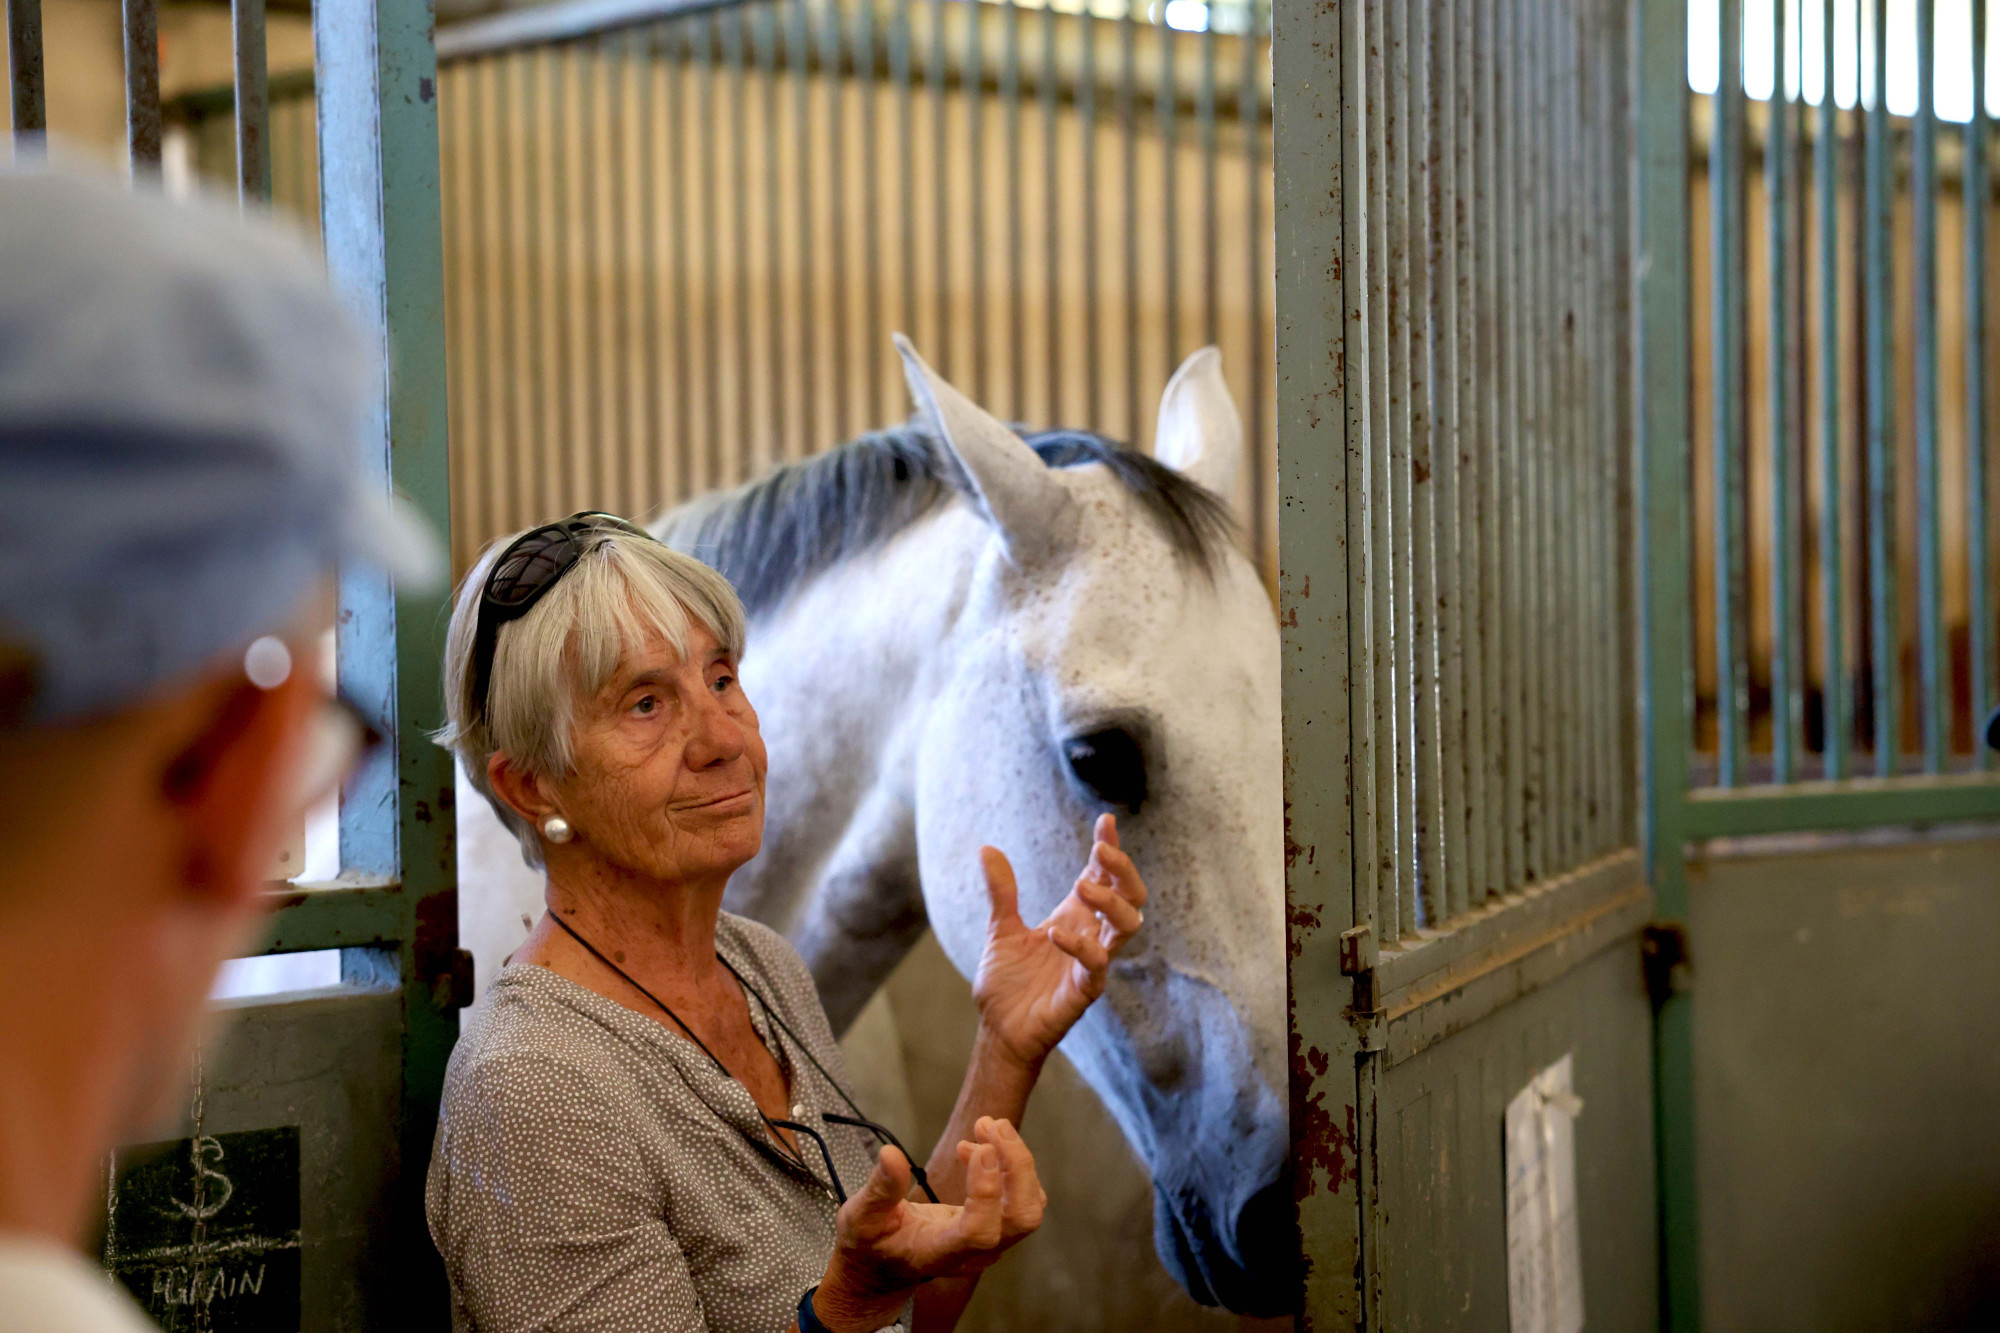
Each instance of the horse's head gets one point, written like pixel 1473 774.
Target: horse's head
pixel 1117 652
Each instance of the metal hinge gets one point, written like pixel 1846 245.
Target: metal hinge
pixel 1663 946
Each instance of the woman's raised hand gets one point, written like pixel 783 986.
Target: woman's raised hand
pixel 1033 984
pixel 885 1244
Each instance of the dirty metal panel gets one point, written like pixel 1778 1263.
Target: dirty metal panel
pixel 1317 419
pixel 1442 1196
pixel 1845 1090
pixel 260 1204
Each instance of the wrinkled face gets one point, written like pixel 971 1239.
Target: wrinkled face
pixel 669 774
pixel 1125 680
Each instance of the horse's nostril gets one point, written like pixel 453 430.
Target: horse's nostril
pixel 1267 1245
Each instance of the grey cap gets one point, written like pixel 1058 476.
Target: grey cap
pixel 182 414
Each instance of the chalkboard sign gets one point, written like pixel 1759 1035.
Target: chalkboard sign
pixel 204 1232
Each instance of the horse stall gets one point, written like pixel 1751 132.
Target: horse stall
pixel 1608 784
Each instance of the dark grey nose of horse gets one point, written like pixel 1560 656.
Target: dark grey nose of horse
pixel 1255 1272
pixel 1267 1238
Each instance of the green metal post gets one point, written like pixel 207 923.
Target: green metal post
pixel 1934 702
pixel 1317 91
pixel 1663 349
pixel 377 82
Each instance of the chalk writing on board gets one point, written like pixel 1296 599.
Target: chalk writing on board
pixel 1544 1256
pixel 204 1231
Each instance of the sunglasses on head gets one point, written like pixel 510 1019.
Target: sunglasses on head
pixel 533 563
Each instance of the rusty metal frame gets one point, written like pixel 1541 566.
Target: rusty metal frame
pixel 1315 101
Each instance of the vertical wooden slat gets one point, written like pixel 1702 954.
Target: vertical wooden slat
pixel 1052 303
pixel 1086 93
pixel 536 441
pixel 1447 293
pixel 1566 258
pixel 678 41
pixel 1475 441
pixel 1128 195
pixel 594 425
pixel 1425 310
pixel 798 57
pixel 711 243
pixel 1726 427
pixel 1504 517
pixel 27 87
pixel 1932 699
pixel 613 56
pixel 942 221
pixel 1359 276
pixel 747 451
pixel 142 85
pixel 1166 114
pixel 874 335
pixel 1379 471
pixel 1401 548
pixel 1877 312
pixel 900 42
pixel 1837 719
pixel 834 82
pixel 1778 389
pixel 253 103
pixel 654 445
pixel 1250 117
pixel 972 82
pixel 1532 458
pixel 1979 556
pixel 777 445
pixel 473 430
pixel 1017 278
pixel 517 198
pixel 1204 111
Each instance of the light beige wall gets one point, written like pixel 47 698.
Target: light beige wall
pixel 659 276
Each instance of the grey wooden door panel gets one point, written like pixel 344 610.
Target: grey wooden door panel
pixel 327 1066
pixel 1847 1085
pixel 1442 1201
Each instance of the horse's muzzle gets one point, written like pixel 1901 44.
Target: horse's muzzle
pixel 1251 1268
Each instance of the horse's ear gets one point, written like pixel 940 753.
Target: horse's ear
pixel 1006 481
pixel 1200 434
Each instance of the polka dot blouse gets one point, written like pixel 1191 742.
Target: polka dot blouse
pixel 593 1170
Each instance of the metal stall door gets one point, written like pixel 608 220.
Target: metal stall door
pixel 1472 1075
pixel 1819 579
pixel 288 1195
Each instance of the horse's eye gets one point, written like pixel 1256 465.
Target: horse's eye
pixel 1110 765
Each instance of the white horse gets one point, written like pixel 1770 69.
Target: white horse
pixel 959 637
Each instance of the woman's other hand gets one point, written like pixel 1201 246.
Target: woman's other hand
pixel 1033 984
pixel 885 1244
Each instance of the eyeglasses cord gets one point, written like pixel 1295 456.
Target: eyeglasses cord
pixel 857 1120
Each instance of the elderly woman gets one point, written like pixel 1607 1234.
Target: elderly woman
pixel 646 1124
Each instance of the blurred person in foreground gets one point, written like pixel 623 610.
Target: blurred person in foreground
pixel 181 418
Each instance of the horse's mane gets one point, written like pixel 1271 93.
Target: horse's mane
pixel 771 535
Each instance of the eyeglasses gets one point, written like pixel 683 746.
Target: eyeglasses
pixel 879 1131
pixel 532 564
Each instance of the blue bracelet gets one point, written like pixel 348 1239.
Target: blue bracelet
pixel 808 1320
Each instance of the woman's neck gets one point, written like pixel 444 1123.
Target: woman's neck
pixel 659 934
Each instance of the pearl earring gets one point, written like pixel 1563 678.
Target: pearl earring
pixel 556 829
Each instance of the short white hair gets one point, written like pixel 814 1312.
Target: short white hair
pixel 623 590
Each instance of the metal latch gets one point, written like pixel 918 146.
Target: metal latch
pixel 1357 951
pixel 1663 946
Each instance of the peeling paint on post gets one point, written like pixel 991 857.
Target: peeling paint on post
pixel 375 72
pixel 1312 104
